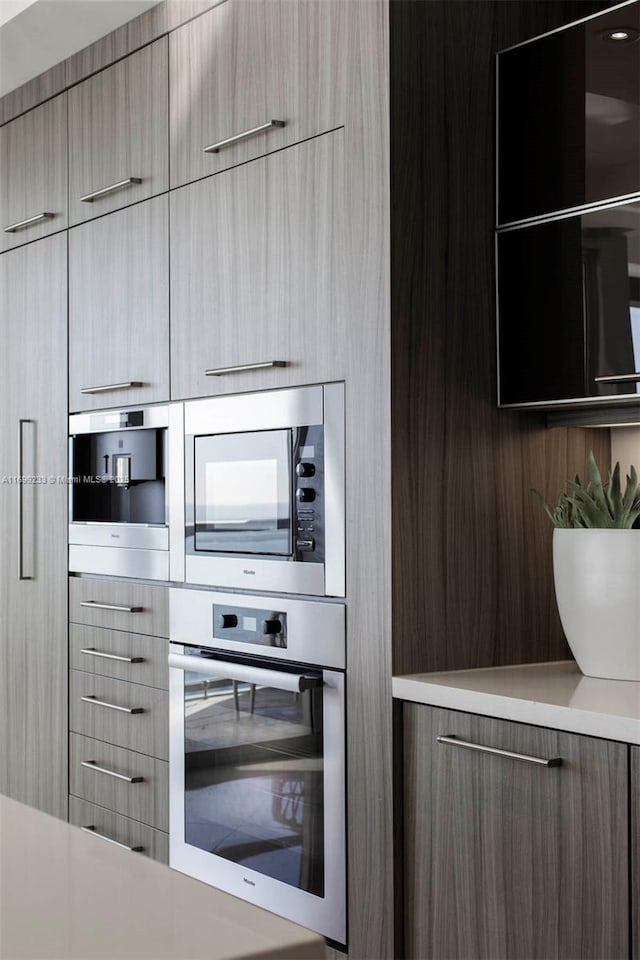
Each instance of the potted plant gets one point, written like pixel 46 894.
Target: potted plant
pixel 596 566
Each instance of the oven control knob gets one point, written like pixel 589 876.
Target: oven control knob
pixel 305 469
pixel 226 620
pixel 271 627
pixel 305 494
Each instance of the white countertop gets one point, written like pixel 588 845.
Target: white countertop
pixel 553 695
pixel 65 894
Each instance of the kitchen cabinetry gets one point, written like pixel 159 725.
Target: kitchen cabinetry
pixel 33 186
pixel 253 76
pixel 118 134
pixel 113 827
pixel 635 851
pixel 258 273
pixel 33 521
pixel 569 117
pixel 119 308
pixel 512 858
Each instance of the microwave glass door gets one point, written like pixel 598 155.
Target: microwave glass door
pixel 243 493
pixel 254 774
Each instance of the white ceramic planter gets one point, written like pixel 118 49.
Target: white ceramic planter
pixel 597 579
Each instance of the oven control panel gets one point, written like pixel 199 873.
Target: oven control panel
pixel 308 462
pixel 263 627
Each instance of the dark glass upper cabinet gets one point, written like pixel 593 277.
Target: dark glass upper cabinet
pixel 569 117
pixel 569 318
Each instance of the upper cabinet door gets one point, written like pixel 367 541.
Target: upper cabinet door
pixel 119 308
pixel 569 117
pixel 252 76
pixel 33 185
pixel 118 133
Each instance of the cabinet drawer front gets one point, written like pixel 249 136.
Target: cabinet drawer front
pixel 118 130
pixel 110 720
pixel 134 607
pixel 123 830
pixel 123 656
pixel 143 796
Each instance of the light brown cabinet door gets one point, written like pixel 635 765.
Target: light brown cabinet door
pixel 507 858
pixel 635 850
pixel 119 308
pixel 258 271
pixel 118 134
pixel 33 524
pixel 33 185
pixel 246 63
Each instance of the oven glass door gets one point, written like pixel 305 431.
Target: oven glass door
pixel 243 493
pixel 254 772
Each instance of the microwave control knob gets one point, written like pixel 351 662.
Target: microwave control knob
pixel 305 494
pixel 305 469
pixel 226 620
pixel 271 627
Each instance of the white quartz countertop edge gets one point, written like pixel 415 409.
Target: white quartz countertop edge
pixel 605 710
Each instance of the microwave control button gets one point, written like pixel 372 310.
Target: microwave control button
pixel 306 546
pixel 305 494
pixel 271 626
pixel 305 469
pixel 226 620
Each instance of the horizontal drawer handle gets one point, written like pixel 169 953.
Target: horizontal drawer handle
pixel 106 387
pixel 116 843
pixel 242 367
pixel 97 605
pixel 21 224
pixel 453 741
pixel 111 706
pixel 112 188
pixel 92 765
pixel 92 652
pixel 619 378
pixel 215 147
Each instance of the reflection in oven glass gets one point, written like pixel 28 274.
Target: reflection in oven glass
pixel 254 778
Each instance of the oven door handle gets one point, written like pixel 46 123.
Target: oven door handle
pixel 293 682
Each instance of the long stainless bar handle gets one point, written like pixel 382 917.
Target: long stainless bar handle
pixel 92 765
pixel 92 652
pixel 105 191
pixel 242 367
pixel 116 843
pixel 105 387
pixel 254 131
pixel 293 682
pixel 21 524
pixel 454 741
pixel 39 217
pixel 111 706
pixel 619 378
pixel 110 606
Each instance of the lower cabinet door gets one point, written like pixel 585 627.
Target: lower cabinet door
pixel 510 858
pixel 111 827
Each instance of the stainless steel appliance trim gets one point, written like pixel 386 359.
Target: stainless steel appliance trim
pixel 122 535
pixel 334 486
pixel 619 378
pixel 22 475
pixel 455 741
pixel 92 765
pixel 101 836
pixel 105 388
pixel 269 410
pixel 291 682
pixel 111 706
pixel 112 188
pixel 326 915
pixel 242 367
pixel 253 573
pixel 175 481
pixel 97 605
pixel 119 562
pixel 104 421
pixel 237 137
pixel 21 224
pixel 92 652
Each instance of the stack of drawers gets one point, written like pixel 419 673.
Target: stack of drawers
pixel 119 713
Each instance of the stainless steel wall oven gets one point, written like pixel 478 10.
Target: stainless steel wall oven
pixel 257 751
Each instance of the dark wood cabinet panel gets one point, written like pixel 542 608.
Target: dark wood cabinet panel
pixel 506 858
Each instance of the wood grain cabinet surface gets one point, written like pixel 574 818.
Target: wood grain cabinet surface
pixel 112 826
pixel 258 272
pixel 246 63
pixel 118 132
pixel 119 308
pixel 123 656
pixel 511 859
pixel 33 185
pixel 117 605
pixel 33 523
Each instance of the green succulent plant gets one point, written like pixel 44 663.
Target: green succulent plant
pixel 597 505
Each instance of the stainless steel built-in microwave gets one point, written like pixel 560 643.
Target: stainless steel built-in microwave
pixel 264 492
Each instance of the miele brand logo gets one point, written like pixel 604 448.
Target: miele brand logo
pixel 250 573
pixel 250 882
pixel 116 536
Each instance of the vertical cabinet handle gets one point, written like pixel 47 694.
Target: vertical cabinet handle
pixel 26 517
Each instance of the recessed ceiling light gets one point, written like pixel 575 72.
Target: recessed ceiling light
pixel 620 35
